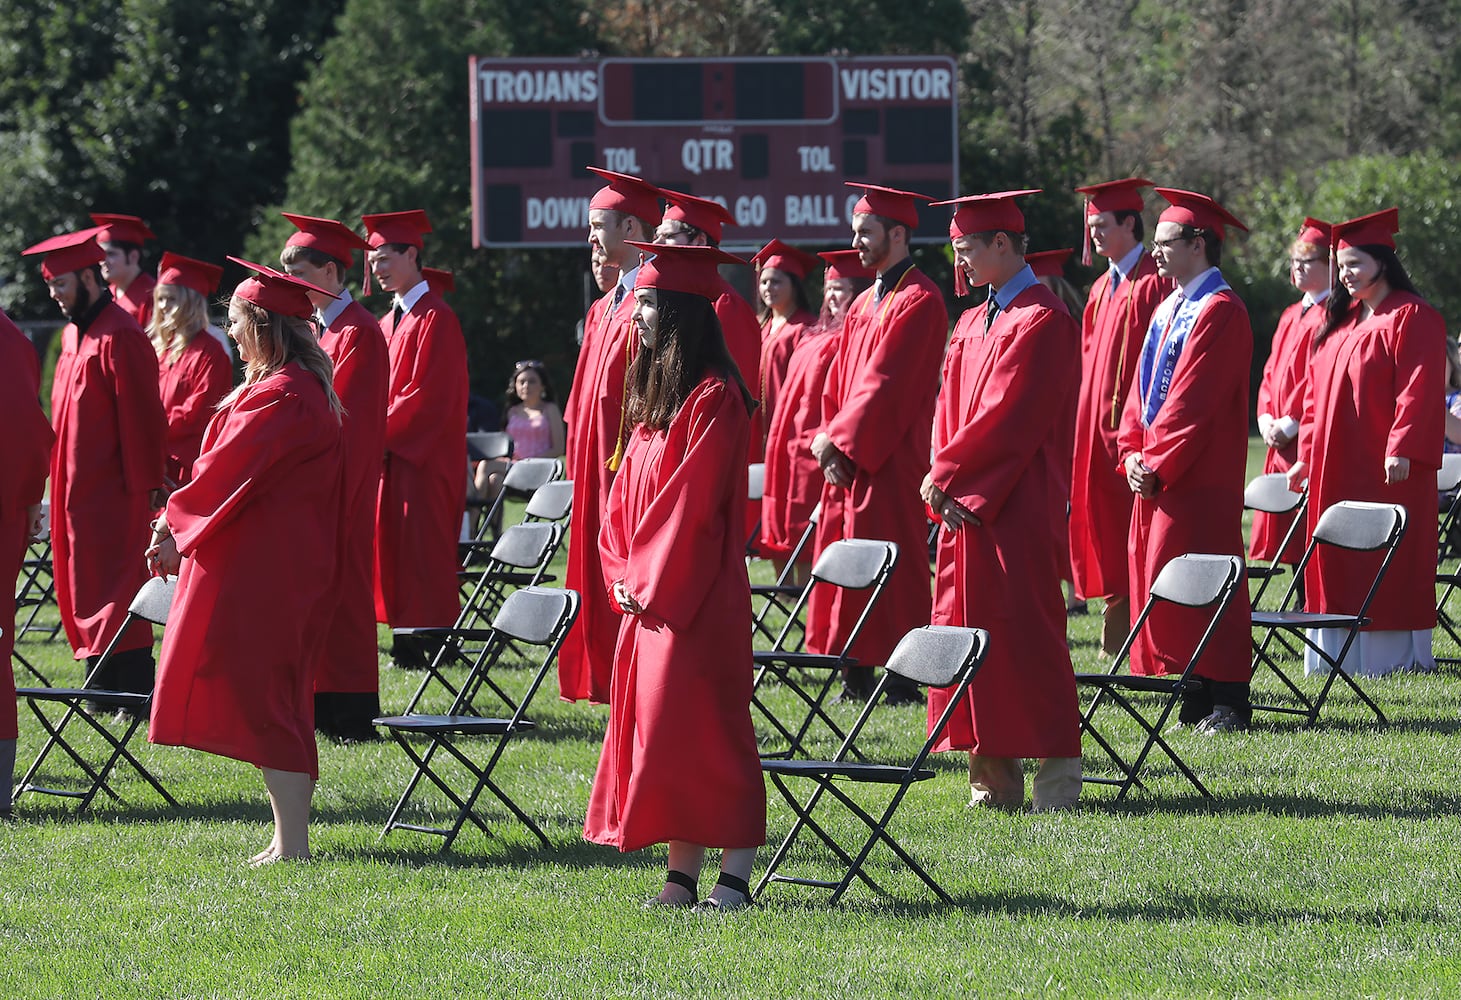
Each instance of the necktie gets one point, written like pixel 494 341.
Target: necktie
pixel 991 309
pixel 618 295
pixel 878 289
pixel 396 315
pixel 1115 278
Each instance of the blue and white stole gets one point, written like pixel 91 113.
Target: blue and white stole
pixel 1165 338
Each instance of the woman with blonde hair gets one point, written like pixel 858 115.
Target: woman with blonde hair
pixel 193 372
pixel 252 540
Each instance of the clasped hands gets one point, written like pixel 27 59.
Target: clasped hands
pixel 837 468
pixel 953 514
pixel 163 558
pixel 1141 479
pixel 626 600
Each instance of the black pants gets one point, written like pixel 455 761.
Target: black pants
pixel 347 715
pixel 131 670
pixel 1198 705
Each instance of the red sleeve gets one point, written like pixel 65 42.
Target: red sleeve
pixel 141 426
pixel 1014 414
pixel 675 549
pixel 435 364
pixel 1209 374
pixel 25 445
pixel 207 379
pixel 875 417
pixel 1418 429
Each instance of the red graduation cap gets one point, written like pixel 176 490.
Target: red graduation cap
pixel 1198 211
pixel 1375 229
pixel 704 214
pixel 335 239
pixel 199 275
pixel 1115 196
pixel 439 280
pixel 693 270
pixel 628 194
pixel 121 229
pixel 277 292
pixel 785 257
pixel 1315 231
pixel 67 252
pixel 397 227
pixel 982 213
pixel 1048 263
pixel 900 206
pixel 845 264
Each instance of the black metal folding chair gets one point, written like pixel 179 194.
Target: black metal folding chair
pixel 92 706
pixel 36 586
pixel 755 492
pixel 1270 494
pixel 535 616
pixel 934 655
pixel 777 598
pixel 1357 527
pixel 1193 581
pixel 851 564
pixel 1448 485
pixel 483 446
pixel 522 479
pixel 519 559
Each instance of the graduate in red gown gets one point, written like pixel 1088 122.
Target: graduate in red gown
pixel 253 542
pixel 680 762
pixel 1184 448
pixel 1285 377
pixel 998 485
pixel 107 465
pixel 423 490
pixel 874 443
pixel 193 370
pixel 1117 313
pixel 121 238
pixel 786 315
pixel 626 208
pixel 1373 429
pixel 25 453
pixel 793 478
pixel 347 674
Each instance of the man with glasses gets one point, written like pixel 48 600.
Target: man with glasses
pixel 1184 448
pixel 1285 377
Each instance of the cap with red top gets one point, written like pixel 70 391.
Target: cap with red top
pixel 1048 263
pixel 121 229
pixel 67 252
pixel 1115 196
pixel 983 213
pixel 1375 229
pixel 439 279
pixel 628 194
pixel 710 217
pixel 845 264
pixel 277 292
pixel 1315 231
pixel 1198 211
pixel 785 257
pixel 396 227
pixel 900 206
pixel 329 237
pixel 199 275
pixel 693 270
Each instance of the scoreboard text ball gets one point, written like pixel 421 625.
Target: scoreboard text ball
pixel 770 138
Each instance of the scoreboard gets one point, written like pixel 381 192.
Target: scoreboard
pixel 770 138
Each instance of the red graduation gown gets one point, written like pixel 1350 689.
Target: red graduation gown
pixel 1375 390
pixel 778 343
pixel 257 529
pixel 423 491
pixel 680 760
pixel 1112 328
pixel 137 299
pixel 595 423
pixel 793 478
pixel 1198 446
pixel 349 660
pixel 1002 449
pixel 25 452
pixel 1281 394
pixel 191 386
pixel 108 457
pixel 879 399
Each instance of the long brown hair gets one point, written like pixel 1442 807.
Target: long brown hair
pixel 274 340
pixel 1337 308
pixel 172 330
pixel 689 343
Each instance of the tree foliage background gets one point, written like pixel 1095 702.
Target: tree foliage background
pixel 208 117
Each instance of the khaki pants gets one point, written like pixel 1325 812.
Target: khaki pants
pixel 1000 782
pixel 1115 624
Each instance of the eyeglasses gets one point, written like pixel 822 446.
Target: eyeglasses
pixel 1169 244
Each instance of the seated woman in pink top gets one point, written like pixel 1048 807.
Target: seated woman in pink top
pixel 534 422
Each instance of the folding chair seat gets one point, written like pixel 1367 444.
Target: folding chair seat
pixel 779 597
pixel 852 564
pixel 1193 581
pixel 519 559
pixel 934 655
pixel 1357 527
pixel 553 501
pixel 1269 493
pixel 483 446
pixel 93 707
pixel 535 616
pixel 1448 489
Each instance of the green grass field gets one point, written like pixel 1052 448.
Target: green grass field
pixel 1325 866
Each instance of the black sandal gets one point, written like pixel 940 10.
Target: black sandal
pixel 673 877
pixel 712 905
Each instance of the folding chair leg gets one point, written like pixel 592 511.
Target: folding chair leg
pixel 54 741
pixel 805 821
pixel 878 830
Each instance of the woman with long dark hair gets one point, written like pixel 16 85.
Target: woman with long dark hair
pixel 1372 431
pixel 680 763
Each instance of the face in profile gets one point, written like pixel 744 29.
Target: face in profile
pixel 646 316
pixel 776 289
pixel 871 241
pixel 241 330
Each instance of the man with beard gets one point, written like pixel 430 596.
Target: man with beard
pixel 108 462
